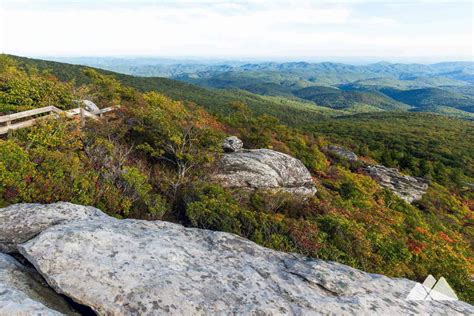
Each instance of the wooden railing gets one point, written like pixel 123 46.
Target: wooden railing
pixel 20 119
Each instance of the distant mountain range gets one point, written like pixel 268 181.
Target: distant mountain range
pixel 445 88
pixel 151 67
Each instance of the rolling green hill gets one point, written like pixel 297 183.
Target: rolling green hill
pixel 450 101
pixel 380 86
pixel 340 99
pixel 406 84
pixel 430 97
pixel 444 110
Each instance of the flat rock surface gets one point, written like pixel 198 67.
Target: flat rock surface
pixel 406 187
pixel 23 293
pixel 264 169
pixel 21 222
pixel 133 267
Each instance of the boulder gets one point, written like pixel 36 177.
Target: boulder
pixel 342 152
pixel 264 169
pixel 22 292
pixel 134 267
pixel 21 222
pixel 90 106
pixel 406 187
pixel 232 144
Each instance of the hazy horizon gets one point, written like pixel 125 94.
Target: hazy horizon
pixel 426 60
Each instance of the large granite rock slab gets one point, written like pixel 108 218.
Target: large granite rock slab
pixel 23 293
pixel 406 187
pixel 133 267
pixel 21 222
pixel 264 169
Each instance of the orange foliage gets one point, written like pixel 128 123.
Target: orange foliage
pixel 445 237
pixel 421 230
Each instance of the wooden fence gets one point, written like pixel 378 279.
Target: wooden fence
pixel 30 117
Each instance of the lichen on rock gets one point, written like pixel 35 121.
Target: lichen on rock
pixel 21 222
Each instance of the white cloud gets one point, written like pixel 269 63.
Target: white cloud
pixel 197 28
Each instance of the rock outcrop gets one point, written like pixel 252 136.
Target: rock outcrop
pixel 262 169
pixel 22 292
pixel 232 144
pixel 406 187
pixel 133 267
pixel 21 222
pixel 342 152
pixel 90 106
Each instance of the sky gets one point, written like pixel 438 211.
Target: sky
pixel 418 30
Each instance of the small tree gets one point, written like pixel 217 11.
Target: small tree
pixel 168 132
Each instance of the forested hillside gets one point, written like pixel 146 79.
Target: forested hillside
pixel 339 99
pixel 152 158
pixel 420 98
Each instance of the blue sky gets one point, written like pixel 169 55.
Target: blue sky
pixel 423 30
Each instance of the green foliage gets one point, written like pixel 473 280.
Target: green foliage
pixel 20 91
pixel 138 188
pixel 348 190
pixel 42 174
pixel 211 207
pixel 52 134
pixel 106 90
pixel 175 136
pixel 347 238
pixel 16 171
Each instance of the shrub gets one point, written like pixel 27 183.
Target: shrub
pixel 16 172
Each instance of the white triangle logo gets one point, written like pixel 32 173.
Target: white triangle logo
pixel 432 290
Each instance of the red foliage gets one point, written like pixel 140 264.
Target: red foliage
pixel 304 234
pixel 415 247
pixel 10 193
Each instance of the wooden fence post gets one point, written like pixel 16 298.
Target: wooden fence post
pixel 83 117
